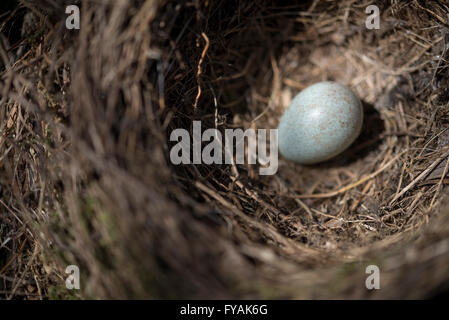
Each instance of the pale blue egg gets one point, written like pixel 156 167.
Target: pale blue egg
pixel 321 122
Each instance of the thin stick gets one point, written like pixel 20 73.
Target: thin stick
pixel 305 207
pixel 439 184
pixel 14 257
pixel 420 177
pixel 203 54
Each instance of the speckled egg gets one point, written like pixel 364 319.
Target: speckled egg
pixel 321 122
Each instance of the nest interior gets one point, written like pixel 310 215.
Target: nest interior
pixel 87 180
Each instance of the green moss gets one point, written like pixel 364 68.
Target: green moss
pixel 60 292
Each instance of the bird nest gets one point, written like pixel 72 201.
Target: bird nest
pixel 87 178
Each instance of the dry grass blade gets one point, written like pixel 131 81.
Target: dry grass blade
pixel 420 177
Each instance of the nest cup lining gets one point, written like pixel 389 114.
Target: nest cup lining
pixel 356 201
pixel 346 202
